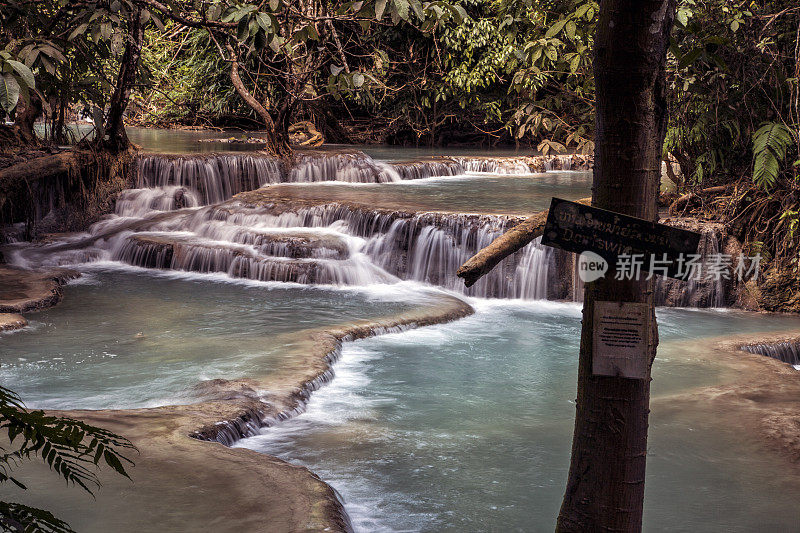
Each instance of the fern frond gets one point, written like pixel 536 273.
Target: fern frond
pixel 770 144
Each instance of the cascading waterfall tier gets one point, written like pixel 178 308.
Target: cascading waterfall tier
pixel 788 351
pixel 351 167
pixel 180 218
pixel 210 178
pixel 669 292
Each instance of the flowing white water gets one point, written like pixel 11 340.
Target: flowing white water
pixel 463 426
pixel 162 225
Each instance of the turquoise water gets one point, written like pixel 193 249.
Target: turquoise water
pixel 491 194
pixel 186 141
pixel 121 339
pixel 467 427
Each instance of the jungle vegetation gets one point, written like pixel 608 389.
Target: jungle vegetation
pixel 414 72
pixel 455 72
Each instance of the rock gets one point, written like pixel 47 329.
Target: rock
pixel 12 321
pixel 31 290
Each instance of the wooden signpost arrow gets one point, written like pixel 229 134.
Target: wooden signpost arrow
pixel 621 336
pixel 580 228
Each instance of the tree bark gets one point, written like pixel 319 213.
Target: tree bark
pixel 28 115
pixel 277 140
pixel 605 489
pixel 115 124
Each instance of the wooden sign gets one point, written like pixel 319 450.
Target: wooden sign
pixel 621 340
pixel 579 228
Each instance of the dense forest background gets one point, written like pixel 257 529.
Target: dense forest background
pixel 434 73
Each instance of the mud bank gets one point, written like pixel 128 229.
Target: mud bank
pixel 759 395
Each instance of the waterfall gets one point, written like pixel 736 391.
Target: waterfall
pixel 138 202
pixel 352 167
pixel 703 293
pixel 788 352
pixel 325 244
pixel 182 217
pixel 213 178
pixel 524 165
pixel 414 170
pixel 670 292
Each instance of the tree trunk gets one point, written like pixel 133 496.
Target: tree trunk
pixel 28 115
pixel 277 138
pixel 115 124
pixel 605 489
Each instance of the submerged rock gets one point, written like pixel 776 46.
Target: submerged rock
pixel 12 321
pixel 31 290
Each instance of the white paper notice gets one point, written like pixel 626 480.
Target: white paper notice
pixel 621 340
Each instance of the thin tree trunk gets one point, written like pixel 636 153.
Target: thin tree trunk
pixel 277 141
pixel 28 115
pixel 115 124
pixel 605 489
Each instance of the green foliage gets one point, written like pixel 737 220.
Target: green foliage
pixel 17 517
pixel 16 81
pixel 70 448
pixel 770 144
pixel 731 68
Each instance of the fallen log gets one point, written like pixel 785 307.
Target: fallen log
pixel 682 202
pixel 509 242
pixel 43 167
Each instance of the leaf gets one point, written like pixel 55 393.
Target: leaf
pixel 260 40
pixel 574 63
pixel 243 28
pixel 276 43
pixel 9 92
pixel 570 29
pixel 380 7
pixel 157 21
pixel 416 7
pixel 274 5
pixel 555 29
pixel 690 57
pixel 114 462
pixel 683 16
pixel 24 73
pixel 770 144
pixel 77 31
pixel 264 21
pixel 358 79
pixel 401 8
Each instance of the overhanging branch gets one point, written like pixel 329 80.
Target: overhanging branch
pixel 509 242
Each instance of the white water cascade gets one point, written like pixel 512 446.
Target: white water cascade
pixel 179 219
pixel 351 167
pixel 211 179
pixel 788 352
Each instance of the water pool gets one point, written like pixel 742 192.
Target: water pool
pixel 122 340
pixel 469 193
pixel 467 427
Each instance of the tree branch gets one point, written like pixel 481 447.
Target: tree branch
pixel 506 244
